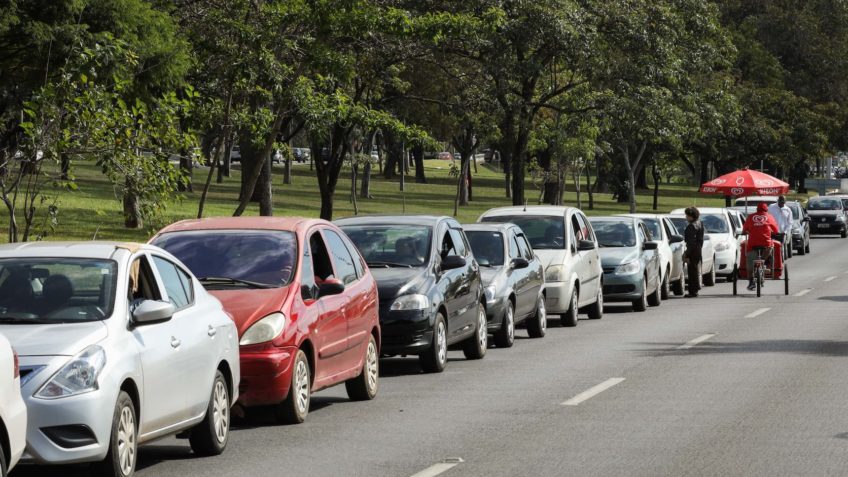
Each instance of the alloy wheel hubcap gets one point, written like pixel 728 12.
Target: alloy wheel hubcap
pixel 302 386
pixel 543 315
pixel 371 366
pixel 510 324
pixel 126 440
pixel 482 332
pixel 441 342
pixel 221 412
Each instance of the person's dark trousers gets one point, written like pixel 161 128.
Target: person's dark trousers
pixel 693 278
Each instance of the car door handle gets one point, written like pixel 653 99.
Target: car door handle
pixel 175 343
pixel 212 331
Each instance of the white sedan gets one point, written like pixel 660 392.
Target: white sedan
pixel 119 345
pixel 13 416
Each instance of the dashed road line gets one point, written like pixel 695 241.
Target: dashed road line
pixel 803 292
pixel 757 313
pixel 696 341
pixel 593 391
pixel 830 278
pixel 440 468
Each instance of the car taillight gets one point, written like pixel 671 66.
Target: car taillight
pixel 17 365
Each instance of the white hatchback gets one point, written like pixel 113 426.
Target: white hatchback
pixel 13 416
pixel 721 228
pixel 119 345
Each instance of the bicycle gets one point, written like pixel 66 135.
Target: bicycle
pixel 775 269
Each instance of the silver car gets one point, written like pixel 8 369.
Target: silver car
pixel 119 345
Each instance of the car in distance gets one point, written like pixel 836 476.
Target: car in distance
pixel 563 240
pixel 304 302
pixel 707 251
pixel 630 260
pixel 13 414
pixel 719 225
pixel 827 216
pixel 445 156
pixel 431 295
pixel 670 248
pixel 513 280
pixel 119 345
pixel 800 227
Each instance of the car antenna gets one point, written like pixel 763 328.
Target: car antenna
pixel 95 234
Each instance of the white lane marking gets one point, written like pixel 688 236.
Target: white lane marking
pixel 830 279
pixel 803 292
pixel 700 339
pixel 439 468
pixel 593 391
pixel 757 313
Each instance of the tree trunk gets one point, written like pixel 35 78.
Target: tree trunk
pixel 225 159
pixel 576 177
pixel 394 153
pixel 287 167
pixel 186 168
pixel 265 187
pixel 463 178
pixel 418 154
pixel 365 182
pixel 589 190
pixel 657 176
pixel 66 166
pixel 132 209
pixel 253 179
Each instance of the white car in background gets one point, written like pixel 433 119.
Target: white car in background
pixel 13 415
pixel 564 241
pixel 722 229
pixel 119 345
pixel 708 272
pixel 670 248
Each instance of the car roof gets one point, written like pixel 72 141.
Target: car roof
pixel 642 216
pixel 758 197
pixel 289 224
pixel 489 227
pixel 93 249
pixel 429 220
pixel 702 210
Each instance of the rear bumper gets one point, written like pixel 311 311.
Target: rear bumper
pixel 623 287
pixel 406 332
pixel 265 375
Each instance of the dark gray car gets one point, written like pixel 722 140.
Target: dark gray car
pixel 513 280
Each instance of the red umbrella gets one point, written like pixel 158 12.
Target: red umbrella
pixel 745 182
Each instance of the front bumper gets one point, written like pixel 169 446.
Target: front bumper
pixel 266 374
pixel 406 332
pixel 16 425
pixel 623 287
pixel 557 298
pixel 797 240
pixel 725 262
pixel 826 228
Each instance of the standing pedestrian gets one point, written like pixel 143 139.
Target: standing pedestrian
pixel 782 215
pixel 694 238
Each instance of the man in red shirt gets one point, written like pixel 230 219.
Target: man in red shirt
pixel 759 226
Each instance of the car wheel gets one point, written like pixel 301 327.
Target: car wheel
pixel 434 359
pixel 505 337
pixel 807 246
pixel 364 387
pixel 210 437
pixel 789 252
pixel 538 325
pixel 569 318
pixel 476 345
pixel 296 406
pixel 844 233
pixel 710 278
pixel 679 286
pixel 655 298
pixel 3 468
pixel 666 286
pixel 801 250
pixel 641 303
pixel 123 443
pixel 596 310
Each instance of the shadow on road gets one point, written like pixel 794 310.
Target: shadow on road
pixel 827 348
pixel 840 298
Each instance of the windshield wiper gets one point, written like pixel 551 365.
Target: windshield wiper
pixel 15 320
pixel 389 265
pixel 233 281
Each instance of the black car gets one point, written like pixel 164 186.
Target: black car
pixel 827 216
pixel 431 294
pixel 513 280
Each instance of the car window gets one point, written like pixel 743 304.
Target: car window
pixel 487 247
pixel 577 229
pixel 358 261
pixel 715 223
pixel 585 228
pixel 680 224
pixel 524 247
pixel 514 251
pixel 458 242
pixel 177 283
pixel 322 267
pixel 544 232
pixel 612 233
pixel 341 257
pixel 391 245
pixel 824 204
pixel 308 287
pixel 644 235
pixel 669 228
pixel 653 226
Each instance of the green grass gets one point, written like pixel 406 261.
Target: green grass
pixel 96 207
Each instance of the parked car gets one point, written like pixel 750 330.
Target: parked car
pixel 707 250
pixel 563 240
pixel 301 154
pixel 13 414
pixel 670 248
pixel 304 302
pixel 431 294
pixel 827 216
pixel 235 154
pixel 719 225
pixel 800 228
pixel 445 156
pixel 119 345
pixel 630 261
pixel 513 280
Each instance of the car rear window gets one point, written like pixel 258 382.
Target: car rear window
pixel 391 245
pixel 487 247
pixel 544 232
pixel 612 233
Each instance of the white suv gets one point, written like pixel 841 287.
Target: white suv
pixel 723 233
pixel 13 417
pixel 564 241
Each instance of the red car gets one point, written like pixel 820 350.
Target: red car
pixel 304 302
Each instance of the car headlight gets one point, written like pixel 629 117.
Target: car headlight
pixel 264 330
pixel 628 268
pixel 410 302
pixel 555 273
pixel 489 291
pixel 77 376
pixel 796 229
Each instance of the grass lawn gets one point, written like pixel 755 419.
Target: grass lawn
pixel 96 207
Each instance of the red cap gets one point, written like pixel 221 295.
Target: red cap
pixel 762 207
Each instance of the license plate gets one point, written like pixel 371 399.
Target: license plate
pixel 823 226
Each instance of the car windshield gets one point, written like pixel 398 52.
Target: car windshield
pixel 56 290
pixel 613 233
pixel 714 224
pixel 392 245
pixel 653 227
pixel 796 210
pixel 487 247
pixel 544 232
pixel 825 204
pixel 265 257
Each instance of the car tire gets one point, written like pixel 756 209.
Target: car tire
pixel 3 469
pixel 807 246
pixel 476 345
pixel 569 318
pixel 364 387
pixel 210 437
pixel 435 358
pixel 679 286
pixel 665 287
pixel 296 406
pixel 844 233
pixel 538 325
pixel 124 437
pixel 710 278
pixel 596 310
pixel 505 337
pixel 641 304
pixel 801 250
pixel 655 298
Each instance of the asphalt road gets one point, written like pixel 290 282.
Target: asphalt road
pixel 752 393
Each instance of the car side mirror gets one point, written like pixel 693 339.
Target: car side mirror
pixel 452 262
pixel 519 263
pixel 806 219
pixel 585 245
pixel 650 246
pixel 153 311
pixel 331 286
pixel 675 239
